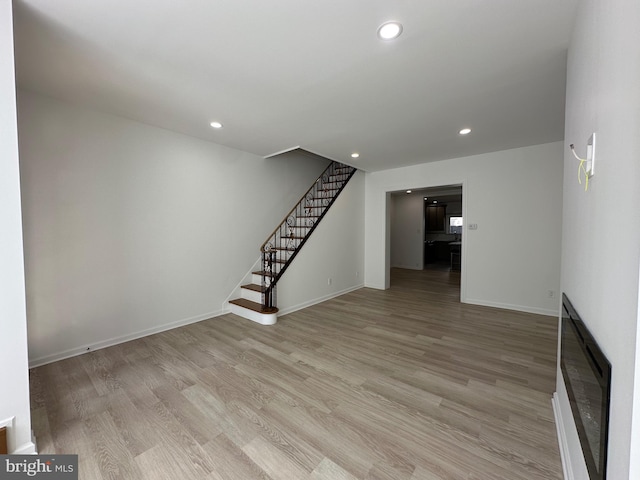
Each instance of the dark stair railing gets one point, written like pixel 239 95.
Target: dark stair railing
pixel 282 246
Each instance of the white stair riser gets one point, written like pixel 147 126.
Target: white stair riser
pixel 261 318
pixel 298 230
pixel 281 250
pixel 305 222
pixel 313 210
pixel 306 218
pixel 337 178
pixel 257 279
pixel 289 242
pixel 318 203
pixel 251 295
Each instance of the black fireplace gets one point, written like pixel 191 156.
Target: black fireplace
pixel 587 377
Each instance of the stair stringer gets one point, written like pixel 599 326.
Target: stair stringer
pixel 268 316
pixel 237 290
pixel 263 318
pixel 343 255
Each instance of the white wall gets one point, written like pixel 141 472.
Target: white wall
pixel 407 231
pixel 601 234
pixel 514 196
pixel 130 229
pixel 334 251
pixel 14 394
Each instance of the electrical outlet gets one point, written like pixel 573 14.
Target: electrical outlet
pixel 551 293
pixel 328 281
pixel 473 226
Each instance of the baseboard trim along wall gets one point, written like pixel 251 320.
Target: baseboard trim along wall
pixel 507 306
pixel 36 362
pixel 28 448
pixel 315 301
pixel 562 438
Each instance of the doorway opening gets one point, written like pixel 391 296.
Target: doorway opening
pixel 426 234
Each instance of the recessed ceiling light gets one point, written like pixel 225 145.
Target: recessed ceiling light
pixel 390 30
pixel 216 124
pixel 465 131
pixel 435 201
pixel 355 155
pixel 408 191
pixel 425 198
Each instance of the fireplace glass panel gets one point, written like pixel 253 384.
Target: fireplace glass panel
pixel 587 374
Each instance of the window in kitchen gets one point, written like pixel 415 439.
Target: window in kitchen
pixel 455 224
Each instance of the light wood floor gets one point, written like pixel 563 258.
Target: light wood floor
pixel 400 384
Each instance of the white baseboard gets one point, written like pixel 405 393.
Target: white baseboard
pixel 507 306
pixel 315 301
pixel 562 438
pixel 28 448
pixel 73 352
pixel 375 286
pixel 261 318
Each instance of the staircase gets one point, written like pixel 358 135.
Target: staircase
pixel 258 298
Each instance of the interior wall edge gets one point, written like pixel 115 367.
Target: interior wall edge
pixel 507 306
pixel 562 438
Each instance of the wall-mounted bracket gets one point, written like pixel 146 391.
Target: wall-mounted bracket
pixel 591 155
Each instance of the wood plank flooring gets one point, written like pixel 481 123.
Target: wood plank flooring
pixel 403 384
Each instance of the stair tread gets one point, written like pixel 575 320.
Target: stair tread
pixel 256 307
pixel 281 260
pixel 322 195
pixel 262 272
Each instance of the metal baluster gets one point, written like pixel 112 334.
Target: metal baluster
pixel 288 237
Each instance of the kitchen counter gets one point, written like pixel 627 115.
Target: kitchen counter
pixel 455 257
pixel 439 251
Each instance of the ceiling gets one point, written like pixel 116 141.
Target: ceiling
pixel 281 74
pixel 442 194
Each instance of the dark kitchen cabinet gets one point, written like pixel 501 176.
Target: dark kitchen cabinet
pixel 435 216
pixel 430 252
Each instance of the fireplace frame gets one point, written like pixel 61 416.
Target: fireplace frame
pixel 575 331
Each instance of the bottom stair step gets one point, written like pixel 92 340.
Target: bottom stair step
pixel 256 307
pixel 254 311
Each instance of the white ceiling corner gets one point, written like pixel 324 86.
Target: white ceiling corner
pixel 285 73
